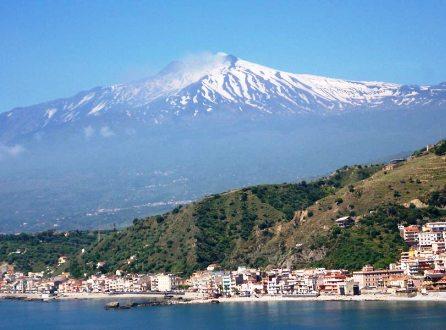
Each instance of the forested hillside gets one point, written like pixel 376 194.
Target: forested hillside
pixel 251 226
pixel 287 224
pixel 40 252
pixel 262 226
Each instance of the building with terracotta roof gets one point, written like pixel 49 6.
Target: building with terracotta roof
pixel 374 278
pixel 410 234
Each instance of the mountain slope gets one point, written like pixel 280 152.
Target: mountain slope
pixel 40 252
pixel 413 180
pixel 264 226
pixel 221 84
pixel 258 227
pixel 248 226
pixel 110 154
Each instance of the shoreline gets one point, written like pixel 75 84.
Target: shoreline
pixel 365 297
pixel 431 297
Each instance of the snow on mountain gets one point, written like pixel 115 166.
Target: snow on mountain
pixel 195 128
pixel 219 83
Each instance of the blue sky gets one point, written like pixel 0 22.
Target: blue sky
pixel 51 49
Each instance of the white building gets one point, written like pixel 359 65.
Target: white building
pixel 273 286
pixel 435 226
pixel 226 283
pixel 427 238
pixel 439 246
pixel 345 222
pixel 166 282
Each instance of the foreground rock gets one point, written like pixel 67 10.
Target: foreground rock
pixel 112 304
pixel 149 303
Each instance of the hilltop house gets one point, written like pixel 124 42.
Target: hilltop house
pixel 393 164
pixel 345 222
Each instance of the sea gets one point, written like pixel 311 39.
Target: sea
pixel 91 314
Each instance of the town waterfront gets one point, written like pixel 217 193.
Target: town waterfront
pixel 90 314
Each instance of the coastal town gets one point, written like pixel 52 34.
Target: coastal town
pixel 420 271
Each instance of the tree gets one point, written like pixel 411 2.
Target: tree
pixel 75 269
pixel 440 149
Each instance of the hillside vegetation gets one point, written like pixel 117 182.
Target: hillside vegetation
pixel 415 179
pixel 276 225
pixel 374 240
pixel 249 226
pixel 40 252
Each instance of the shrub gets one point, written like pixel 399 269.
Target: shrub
pixel 265 224
pixel 438 198
pixel 440 149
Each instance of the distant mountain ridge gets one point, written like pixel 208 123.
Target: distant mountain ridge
pixel 110 154
pixel 222 84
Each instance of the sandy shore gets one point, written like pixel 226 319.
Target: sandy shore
pixel 364 297
pixel 439 296
pixel 80 296
pixel 69 296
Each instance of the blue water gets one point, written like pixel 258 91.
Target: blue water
pixel 255 315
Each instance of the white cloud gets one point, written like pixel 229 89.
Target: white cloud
pixel 195 65
pixel 106 131
pixel 10 151
pixel 88 132
pixel 202 63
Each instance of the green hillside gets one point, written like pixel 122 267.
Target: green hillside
pixel 374 240
pixel 40 252
pixel 413 180
pixel 268 225
pixel 249 226
pixel 274 225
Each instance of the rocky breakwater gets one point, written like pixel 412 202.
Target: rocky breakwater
pixel 144 303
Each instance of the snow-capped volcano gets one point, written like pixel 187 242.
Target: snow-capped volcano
pixel 199 126
pixel 222 84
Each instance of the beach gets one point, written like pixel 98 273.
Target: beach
pixel 194 299
pixel 441 296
